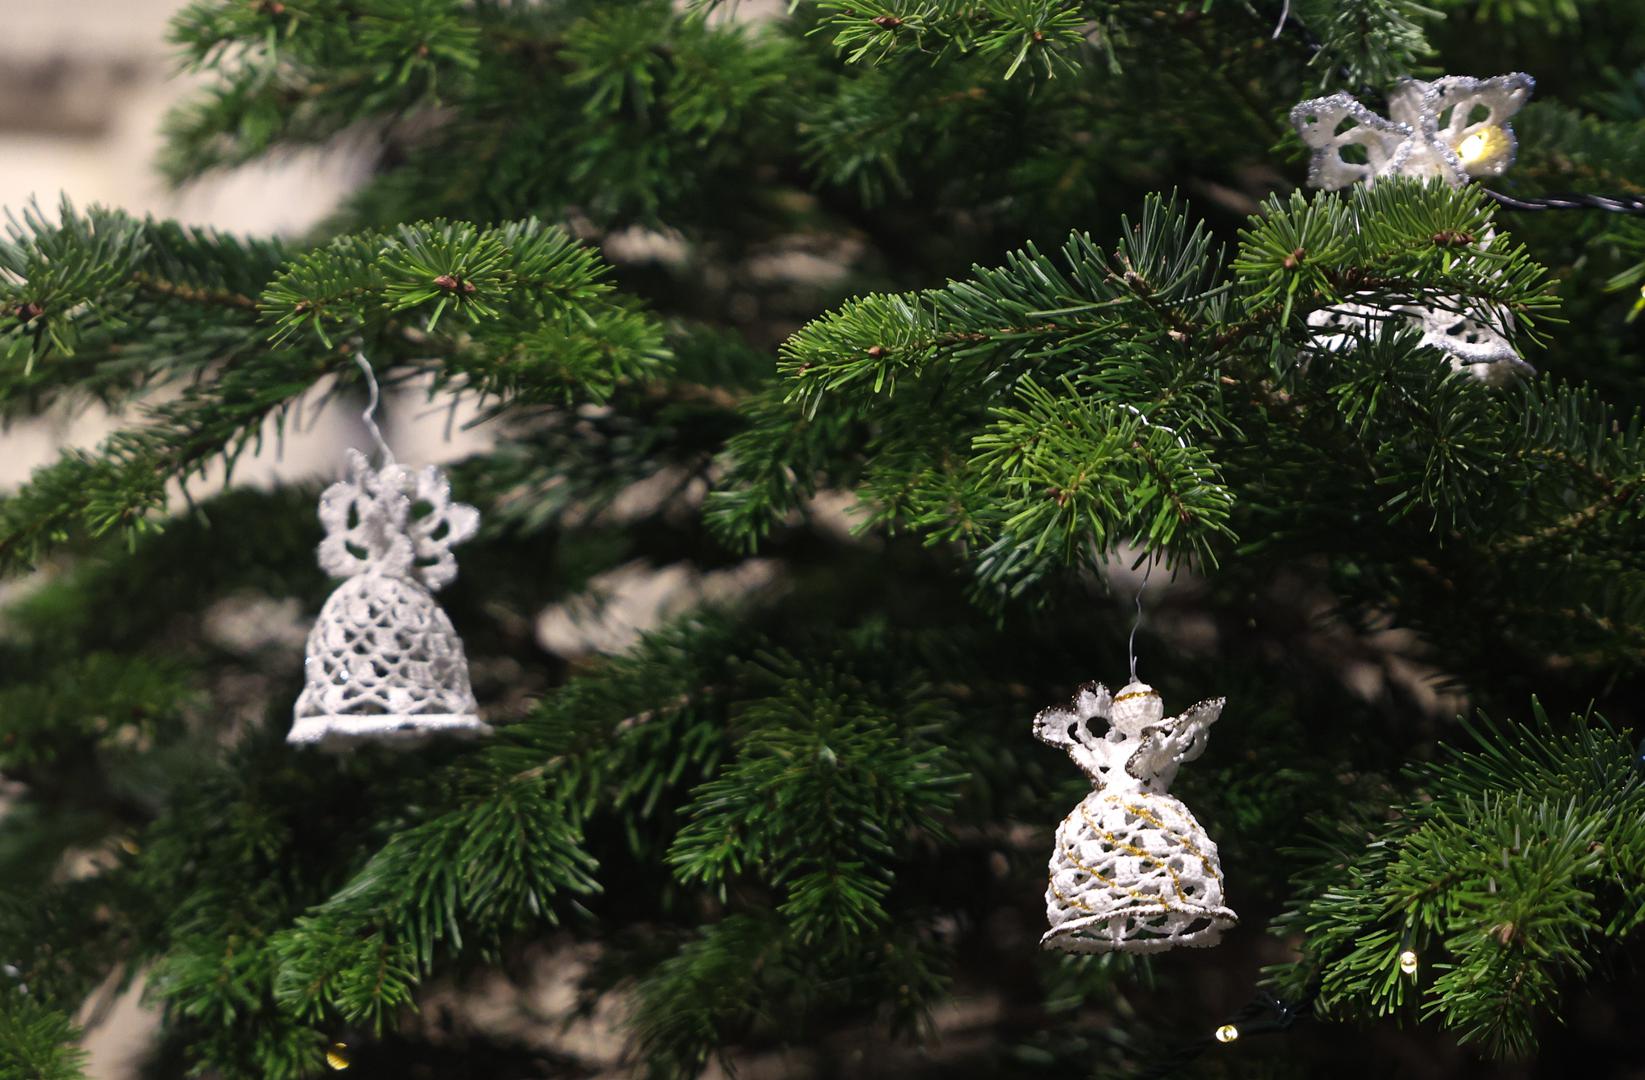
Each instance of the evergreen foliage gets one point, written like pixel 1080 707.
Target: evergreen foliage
pixel 1512 861
pixel 37 1041
pixel 1026 284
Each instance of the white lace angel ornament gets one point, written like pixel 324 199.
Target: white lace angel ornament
pixel 1132 870
pixel 1455 128
pixel 384 663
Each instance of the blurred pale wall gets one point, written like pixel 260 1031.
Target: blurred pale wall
pixel 84 85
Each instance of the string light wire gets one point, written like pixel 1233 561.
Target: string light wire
pixel 1611 204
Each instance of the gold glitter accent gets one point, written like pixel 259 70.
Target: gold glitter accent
pixel 1176 886
pixel 1136 894
pixel 1069 900
pixel 1108 881
pixel 1136 694
pixel 1148 816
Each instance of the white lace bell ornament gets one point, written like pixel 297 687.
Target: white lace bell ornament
pixel 384 663
pixel 1456 128
pixel 1132 870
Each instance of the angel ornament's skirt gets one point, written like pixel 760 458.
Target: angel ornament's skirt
pixel 1133 872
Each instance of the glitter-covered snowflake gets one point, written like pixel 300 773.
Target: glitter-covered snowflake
pixel 1455 128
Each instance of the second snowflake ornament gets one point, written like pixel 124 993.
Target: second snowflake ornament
pixel 1455 128
pixel 1132 870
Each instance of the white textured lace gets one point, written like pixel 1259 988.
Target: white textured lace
pixel 384 663
pixel 1456 128
pixel 1132 870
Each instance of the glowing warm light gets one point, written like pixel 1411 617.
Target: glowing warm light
pixel 1227 1033
pixel 1483 145
pixel 1408 962
pixel 337 1056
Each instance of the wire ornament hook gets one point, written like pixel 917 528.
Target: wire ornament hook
pixel 369 416
pixel 1131 646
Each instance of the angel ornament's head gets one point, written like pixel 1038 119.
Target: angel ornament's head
pixel 1141 748
pixel 394 521
pixel 1136 708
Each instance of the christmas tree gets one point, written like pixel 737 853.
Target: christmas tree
pixel 899 343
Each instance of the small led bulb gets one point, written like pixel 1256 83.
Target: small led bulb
pixel 337 1056
pixel 1408 961
pixel 1227 1033
pixel 1486 144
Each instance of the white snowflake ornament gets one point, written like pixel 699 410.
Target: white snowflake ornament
pixel 1456 128
pixel 1471 344
pixel 384 663
pixel 1132 870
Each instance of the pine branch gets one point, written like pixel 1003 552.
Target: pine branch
pixel 1503 877
pixel 722 985
pixel 124 485
pixel 105 303
pixel 1359 43
pixel 102 699
pixel 491 866
pixel 541 324
pixel 823 784
pixel 505 851
pixel 1140 328
pixel 37 1042
pixel 1027 32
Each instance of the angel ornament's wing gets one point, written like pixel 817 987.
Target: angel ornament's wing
pixel 394 522
pixel 1068 726
pixel 1455 128
pixel 1465 120
pixel 1188 741
pixel 1166 746
pixel 1350 143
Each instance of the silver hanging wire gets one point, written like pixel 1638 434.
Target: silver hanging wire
pixel 369 417
pixel 1284 17
pixel 1136 625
